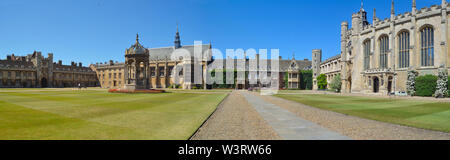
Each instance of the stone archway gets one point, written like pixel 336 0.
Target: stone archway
pixel 349 85
pixel 390 84
pixel 44 82
pixel 376 85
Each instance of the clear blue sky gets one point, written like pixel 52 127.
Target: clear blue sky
pixel 92 31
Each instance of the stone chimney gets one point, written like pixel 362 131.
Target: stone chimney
pixel 60 62
pixel 80 64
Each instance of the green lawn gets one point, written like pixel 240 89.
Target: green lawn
pixel 96 114
pixel 421 114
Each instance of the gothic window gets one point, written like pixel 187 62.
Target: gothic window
pixel 427 47
pixel 403 49
pixel 384 49
pixel 181 72
pixel 152 71
pixel 170 71
pixel 293 65
pixel 161 71
pixel 366 48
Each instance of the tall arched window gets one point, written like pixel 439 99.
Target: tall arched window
pixel 366 47
pixel 427 47
pixel 384 49
pixel 403 49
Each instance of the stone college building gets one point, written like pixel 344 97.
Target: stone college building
pixel 34 70
pixel 375 57
pixel 155 68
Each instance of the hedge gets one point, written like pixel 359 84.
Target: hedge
pixel 448 86
pixel 426 85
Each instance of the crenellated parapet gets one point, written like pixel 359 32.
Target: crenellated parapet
pixel 426 12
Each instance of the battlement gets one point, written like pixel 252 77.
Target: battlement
pixel 434 10
pixel 407 16
pixel 336 57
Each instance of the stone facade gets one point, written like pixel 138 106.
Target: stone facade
pixel 375 58
pixel 159 69
pixel 155 67
pixel 110 75
pixel 34 70
pixel 287 67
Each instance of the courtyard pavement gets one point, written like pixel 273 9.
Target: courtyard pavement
pixel 248 115
pixel 287 124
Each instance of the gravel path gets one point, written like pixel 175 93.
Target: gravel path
pixel 235 119
pixel 288 125
pixel 355 127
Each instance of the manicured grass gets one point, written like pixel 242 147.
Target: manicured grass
pixel 421 114
pixel 97 114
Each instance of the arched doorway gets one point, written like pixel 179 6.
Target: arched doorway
pixel 390 84
pixel 376 84
pixel 349 84
pixel 44 82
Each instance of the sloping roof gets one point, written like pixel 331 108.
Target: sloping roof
pixel 284 64
pixel 18 63
pixel 331 59
pixel 157 54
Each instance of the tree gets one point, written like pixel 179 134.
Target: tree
pixel 286 80
pixel 306 79
pixel 336 83
pixel 322 81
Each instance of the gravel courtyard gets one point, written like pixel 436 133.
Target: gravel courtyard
pixel 237 119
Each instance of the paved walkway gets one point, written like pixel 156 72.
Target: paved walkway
pixel 235 119
pixel 355 127
pixel 249 116
pixel 288 125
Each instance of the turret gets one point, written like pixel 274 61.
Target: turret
pixel 177 41
pixel 363 15
pixel 392 10
pixel 356 23
pixel 344 28
pixel 374 14
pixel 316 60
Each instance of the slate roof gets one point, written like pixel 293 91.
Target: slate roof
pixel 158 54
pixel 331 58
pixel 284 64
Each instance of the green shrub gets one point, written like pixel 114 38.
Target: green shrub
pixel 322 81
pixel 448 86
pixel 336 84
pixel 426 85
